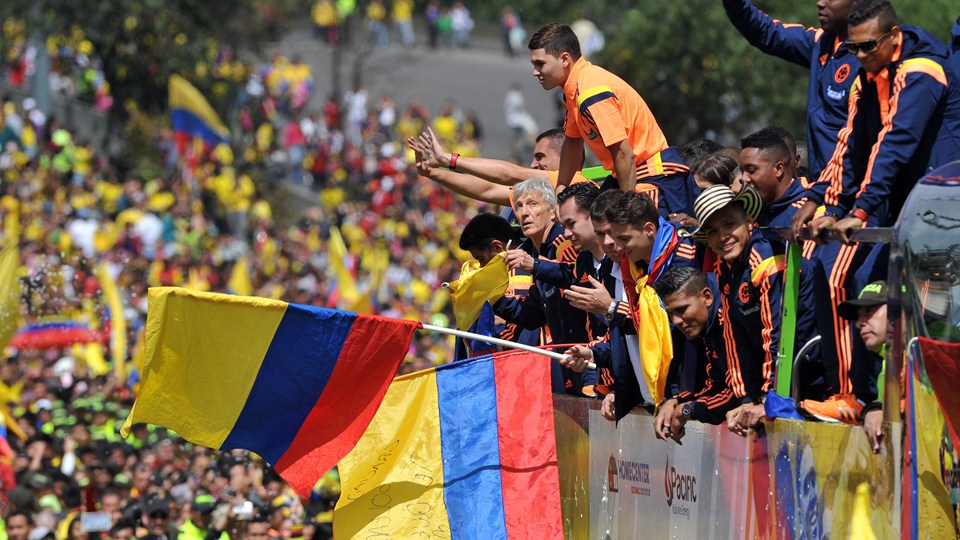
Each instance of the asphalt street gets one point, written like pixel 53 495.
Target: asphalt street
pixel 476 79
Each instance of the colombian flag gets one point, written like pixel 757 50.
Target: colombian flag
pixel 296 384
pixel 53 333
pixel 464 450
pixel 192 116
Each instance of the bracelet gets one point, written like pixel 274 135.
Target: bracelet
pixel 860 214
pixel 453 161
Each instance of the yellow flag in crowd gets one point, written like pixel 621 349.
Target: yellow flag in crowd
pixel 239 282
pixel 477 285
pixel 860 528
pixel 10 422
pixel 118 325
pixel 10 319
pixel 337 254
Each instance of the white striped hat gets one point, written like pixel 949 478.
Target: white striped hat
pixel 715 198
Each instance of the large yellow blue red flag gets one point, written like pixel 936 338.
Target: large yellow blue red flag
pixel 296 384
pixel 192 116
pixel 464 450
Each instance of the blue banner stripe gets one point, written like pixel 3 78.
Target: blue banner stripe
pixel 473 491
pixel 187 122
pixel 293 374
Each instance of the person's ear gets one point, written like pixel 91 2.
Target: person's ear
pixel 650 228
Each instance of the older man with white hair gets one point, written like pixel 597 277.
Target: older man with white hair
pixel 535 204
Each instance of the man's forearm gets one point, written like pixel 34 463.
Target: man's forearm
pixel 472 186
pixel 625 165
pixel 571 159
pixel 498 171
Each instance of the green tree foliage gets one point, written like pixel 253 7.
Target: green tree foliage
pixel 695 70
pixel 701 77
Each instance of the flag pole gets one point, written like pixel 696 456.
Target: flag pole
pixel 501 342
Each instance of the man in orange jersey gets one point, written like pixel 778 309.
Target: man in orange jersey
pixel 608 115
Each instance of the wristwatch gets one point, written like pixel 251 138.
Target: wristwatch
pixel 687 410
pixel 611 311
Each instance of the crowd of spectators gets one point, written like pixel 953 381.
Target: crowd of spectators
pixel 201 222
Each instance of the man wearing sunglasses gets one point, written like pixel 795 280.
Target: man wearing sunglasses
pixel 904 121
pixel 821 50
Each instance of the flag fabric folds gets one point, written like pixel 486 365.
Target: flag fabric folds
pixel 477 285
pixel 464 450
pixel 10 318
pixel 940 361
pixel 337 254
pixel 118 325
pixel 192 116
pixel 296 384
pixel 239 282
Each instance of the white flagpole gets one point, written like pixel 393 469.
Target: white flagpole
pixel 496 341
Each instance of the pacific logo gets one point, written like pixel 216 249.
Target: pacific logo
pixel 682 487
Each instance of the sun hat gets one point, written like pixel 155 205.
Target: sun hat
pixel 716 198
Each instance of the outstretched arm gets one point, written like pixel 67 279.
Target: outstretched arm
pixel 462 184
pixel 494 170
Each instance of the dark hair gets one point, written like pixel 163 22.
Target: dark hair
pixel 20 512
pixel 556 136
pixel 123 523
pixel 718 169
pixel 680 279
pixel 765 141
pixel 604 204
pixel 865 10
pixel 635 209
pixel 583 195
pixel 483 229
pixel 785 135
pixel 555 39
pixel 694 152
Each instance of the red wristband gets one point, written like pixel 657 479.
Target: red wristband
pixel 453 161
pixel 860 214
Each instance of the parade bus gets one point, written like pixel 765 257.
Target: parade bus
pixel 801 479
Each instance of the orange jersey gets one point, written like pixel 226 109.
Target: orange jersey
pixel 602 109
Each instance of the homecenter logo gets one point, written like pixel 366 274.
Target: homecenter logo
pixel 679 487
pixel 629 472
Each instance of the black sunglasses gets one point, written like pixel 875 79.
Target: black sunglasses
pixel 866 46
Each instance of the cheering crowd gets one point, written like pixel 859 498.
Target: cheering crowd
pixel 663 273
pixel 208 221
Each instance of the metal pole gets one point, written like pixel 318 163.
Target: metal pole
pixel 496 341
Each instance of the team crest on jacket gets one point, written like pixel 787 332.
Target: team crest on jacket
pixel 744 293
pixel 842 73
